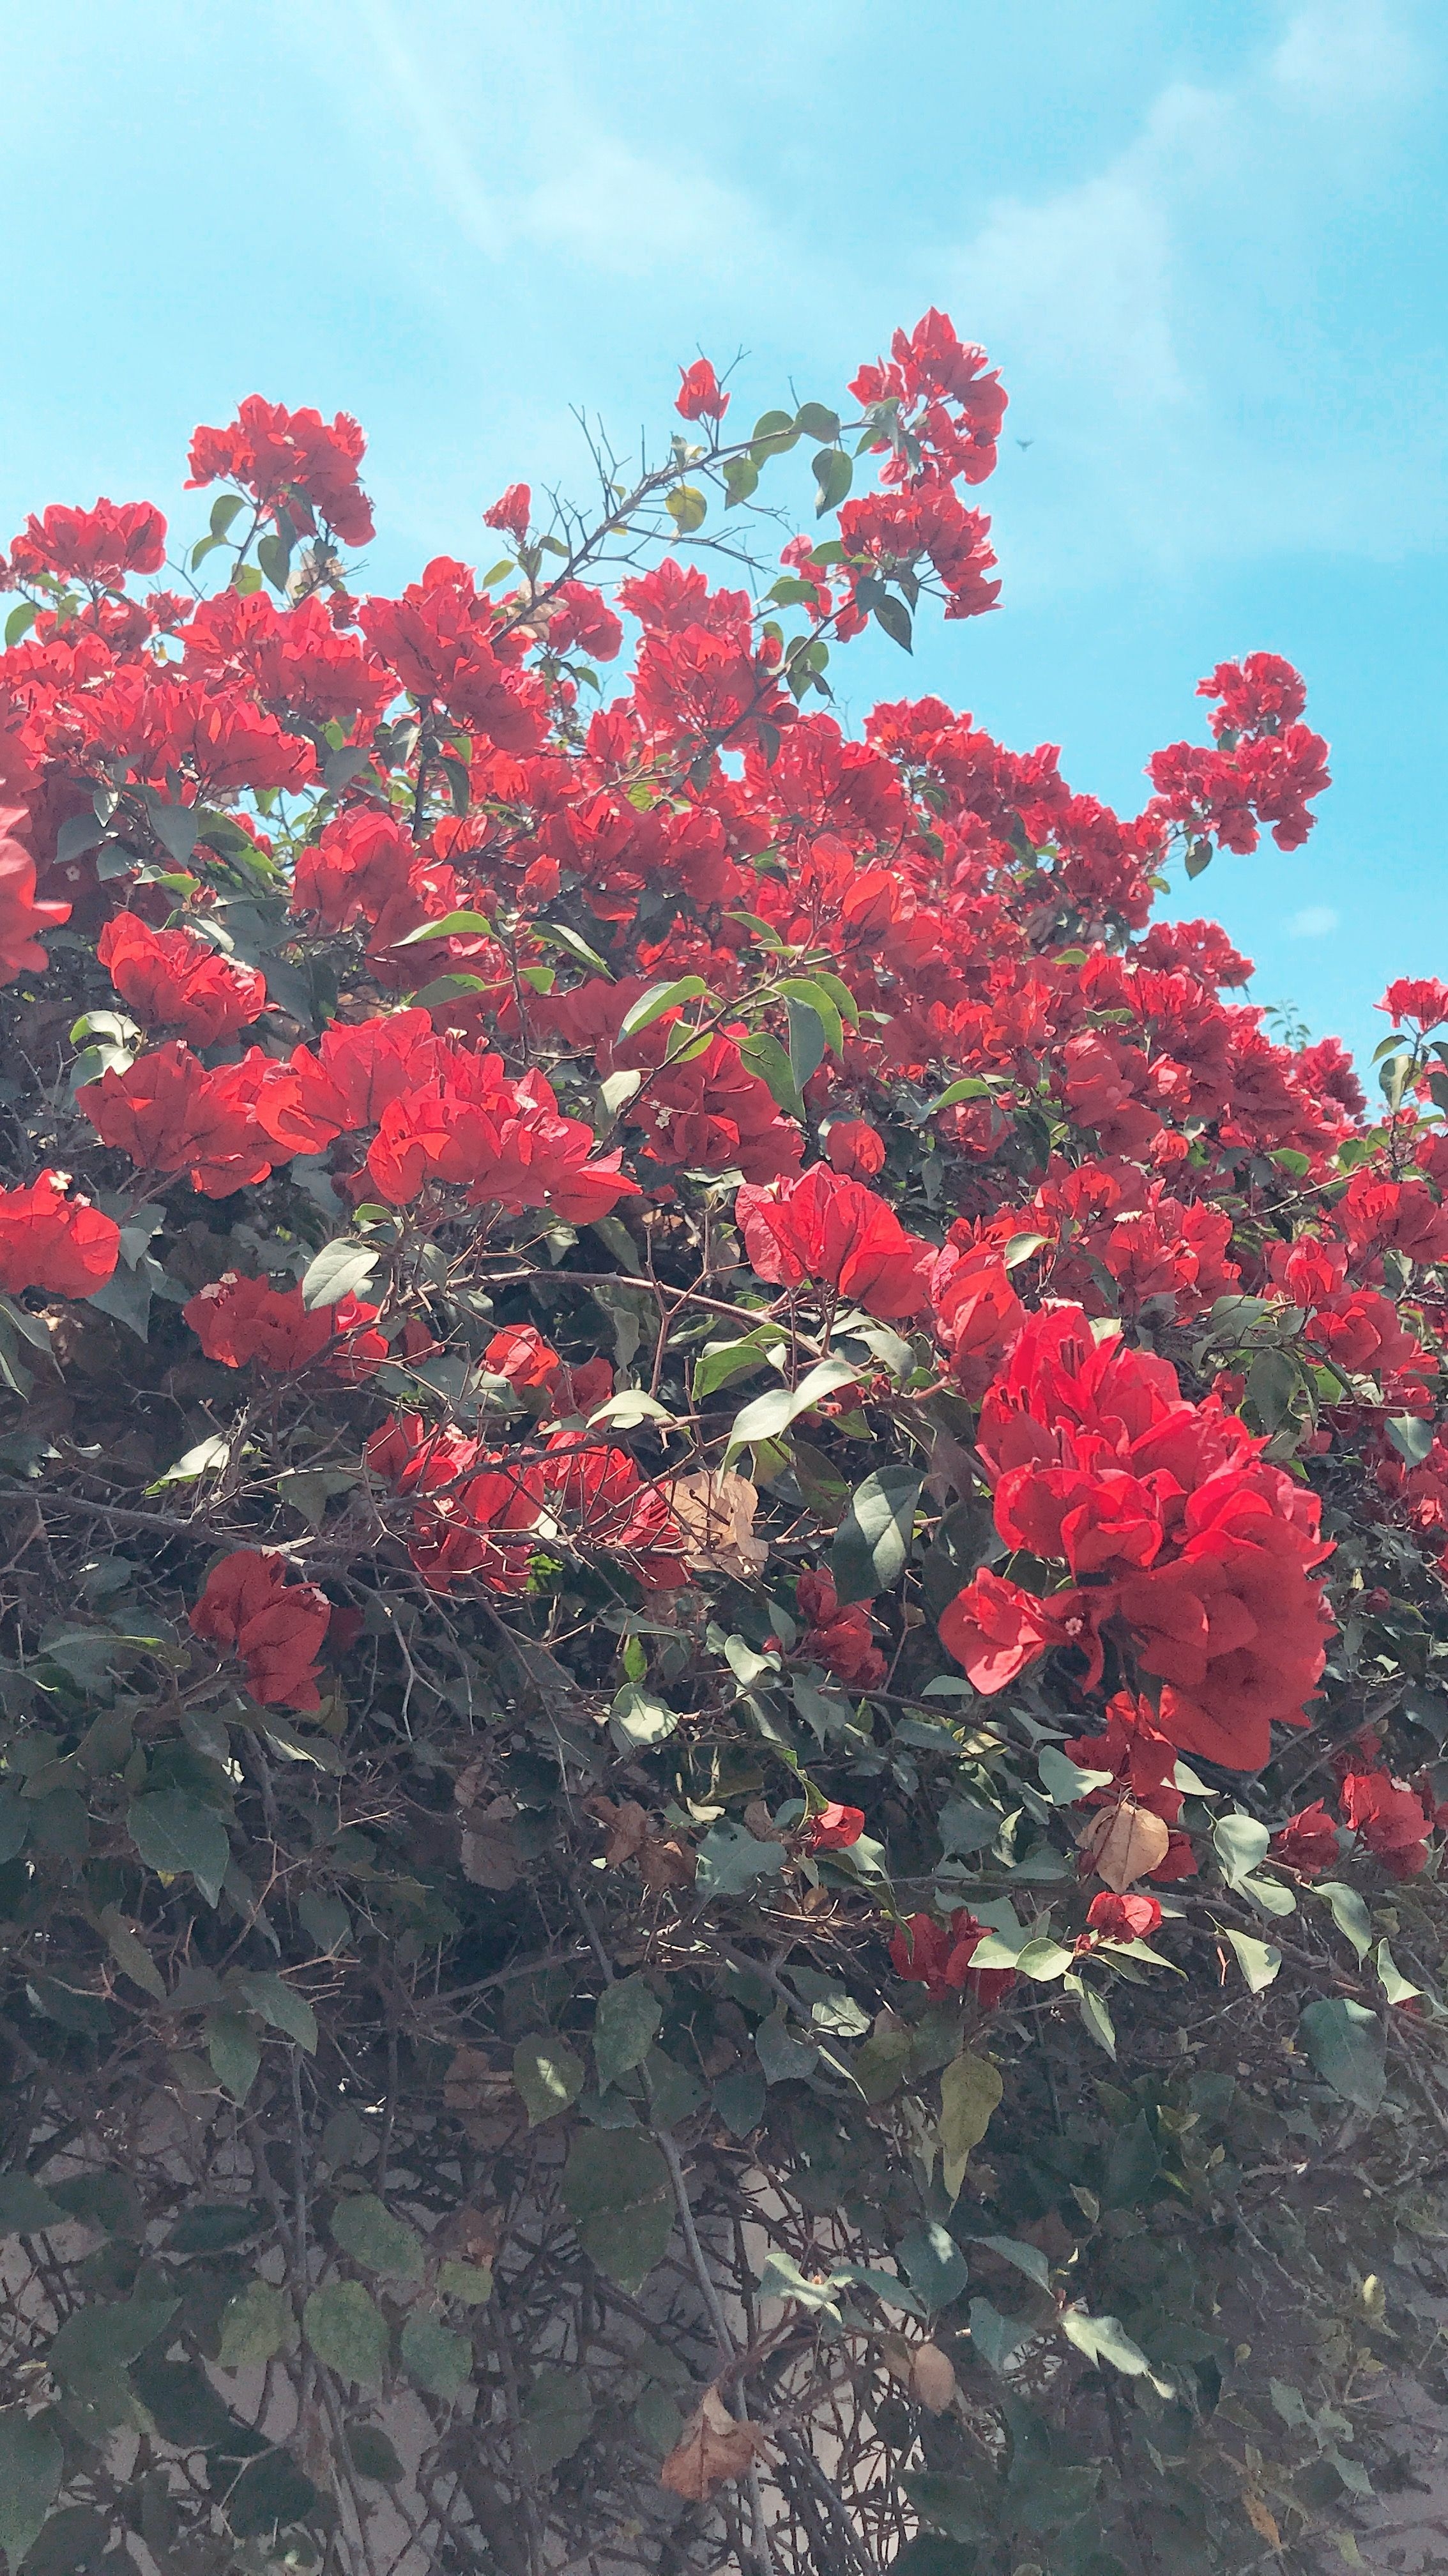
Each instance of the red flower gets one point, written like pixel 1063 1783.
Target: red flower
pixel 290 460
pixel 274 1628
pixel 512 512
pixel 995 1629
pixel 854 1147
pixel 1422 999
pixel 700 396
pixel 520 1354
pixel 977 1312
pixel 236 1320
pixel 174 979
pixel 1307 1842
pixel 1123 1918
pixel 840 1639
pixel 826 1228
pixel 833 1828
pixel 20 915
pixel 1139 1758
pixel 97 546
pixel 47 1241
pixel 226 1127
pixel 937 1956
pixel 1390 1818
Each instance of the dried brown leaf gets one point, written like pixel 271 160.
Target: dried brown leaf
pixel 712 2449
pixel 1123 1842
pixel 715 1510
pixel 932 2380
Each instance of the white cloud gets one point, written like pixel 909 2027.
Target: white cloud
pixel 550 178
pixel 1160 326
pixel 1315 921
pixel 1345 54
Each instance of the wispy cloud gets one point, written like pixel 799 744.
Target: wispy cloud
pixel 547 176
pixel 1315 921
pixel 1158 323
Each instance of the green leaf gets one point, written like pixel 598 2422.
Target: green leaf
pixel 834 474
pixel 99 2340
pixel 213 2228
pixel 1044 1960
pixel 19 622
pixel 557 2415
pixel 626 2023
pixel 469 2283
pixel 434 2357
pixel 997 2338
pixel 26 2207
pixel 347 2331
pixel 770 1415
pixel 1348 1912
pixel 339 1270
pixel 234 2051
pixel 933 2263
pixel 1104 2339
pixel 730 1857
pixel 659 998
pixel 131 1955
pixel 764 1056
pixel 687 507
pixel 1347 2046
pixel 365 2228
pixel 1411 1436
pixel 1065 1784
pixel 806 1041
pixel 1095 2019
pixel 558 934
pixel 782 2278
pixel 453 925
pixel 816 420
pixel 1239 1842
pixel 872 1544
pixel 271 2493
pixel 174 1830
pixel 893 615
pixel 282 2008
pixel 548 2076
pixel 970 2090
pixel 1258 1961
pixel 718 1362
pixel 1395 1985
pixel 616 2191
pixel 1025 2258
pixel 255 2325
pixel 31 2462
pixel 373 2455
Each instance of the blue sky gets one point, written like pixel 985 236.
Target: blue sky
pixel 1206 243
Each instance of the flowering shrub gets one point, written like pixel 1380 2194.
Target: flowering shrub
pixel 726 1517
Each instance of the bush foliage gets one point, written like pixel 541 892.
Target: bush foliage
pixel 723 1553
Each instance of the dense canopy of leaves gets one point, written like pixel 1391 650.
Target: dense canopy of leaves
pixel 724 1535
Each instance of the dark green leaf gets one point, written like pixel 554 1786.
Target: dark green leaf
pixel 434 2357
pixel 1346 2045
pixel 557 2416
pixel 893 615
pixel 625 2025
pixel 834 474
pixel 872 1544
pixel 365 2228
pixel 31 2461
pixel 174 1830
pixel 347 2330
pixel 548 2075
pixel 271 2494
